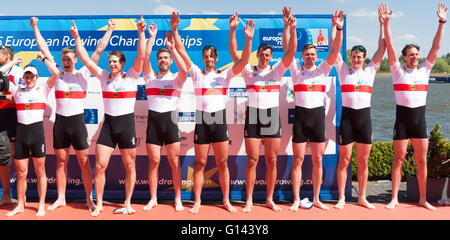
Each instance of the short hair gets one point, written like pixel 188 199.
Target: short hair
pixel 212 48
pixel 359 48
pixel 161 50
pixel 67 50
pixel 118 54
pixel 309 46
pixel 408 46
pixel 8 49
pixel 264 47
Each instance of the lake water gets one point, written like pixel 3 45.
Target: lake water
pixel 383 108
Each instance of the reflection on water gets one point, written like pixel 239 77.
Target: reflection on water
pixel 383 108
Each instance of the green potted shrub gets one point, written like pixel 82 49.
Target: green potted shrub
pixel 438 167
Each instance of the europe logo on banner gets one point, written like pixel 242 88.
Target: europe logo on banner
pixel 91 116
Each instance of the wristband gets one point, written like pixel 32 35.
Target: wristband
pixel 339 29
pixel 2 97
pixel 442 21
pixel 45 58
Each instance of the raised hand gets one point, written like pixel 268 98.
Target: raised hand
pixel 293 21
pixel 34 21
pixel 174 20
pixel 111 24
pixel 286 15
pixel 338 18
pixel 249 29
pixel 74 30
pixel 141 25
pixel 40 56
pixel 152 30
pixel 170 43
pixel 384 13
pixel 442 12
pixel 234 21
pixel 18 60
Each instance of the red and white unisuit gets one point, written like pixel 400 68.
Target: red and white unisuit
pixel 70 92
pixel 30 103
pixel 15 74
pixel 163 92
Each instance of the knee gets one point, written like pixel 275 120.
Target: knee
pixel 21 173
pixel 271 161
pixel 154 161
pixel 297 162
pixel 200 164
pixel 222 164
pixel 252 162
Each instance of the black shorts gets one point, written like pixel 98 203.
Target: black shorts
pixel 262 123
pixel 162 128
pixel 410 123
pixel 210 127
pixel 309 125
pixel 8 122
pixel 118 130
pixel 70 131
pixel 5 149
pixel 356 126
pixel 30 138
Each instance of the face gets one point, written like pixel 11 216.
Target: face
pixel 357 59
pixel 412 57
pixel 164 62
pixel 264 57
pixel 209 59
pixel 30 79
pixel 309 57
pixel 4 57
pixel 114 64
pixel 68 61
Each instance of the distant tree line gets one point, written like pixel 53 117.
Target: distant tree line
pixel 442 64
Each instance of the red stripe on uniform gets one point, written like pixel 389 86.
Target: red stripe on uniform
pixel 309 88
pixel 71 94
pixel 162 92
pixel 30 106
pixel 410 87
pixel 119 94
pixel 268 88
pixel 356 88
pixel 210 91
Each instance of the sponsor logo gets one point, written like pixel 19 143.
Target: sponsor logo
pixel 91 116
pixel 141 93
pixel 186 116
pixel 237 92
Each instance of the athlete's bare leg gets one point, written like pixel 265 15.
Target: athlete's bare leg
pixel 272 145
pixel 39 169
pixel 400 147
pixel 201 157
pixel 252 148
pixel 173 156
pixel 103 154
pixel 221 155
pixel 154 157
pixel 345 157
pixel 62 157
pixel 21 166
pixel 86 176
pixel 5 177
pixel 318 150
pixel 129 163
pixel 296 172
pixel 420 146
pixel 362 158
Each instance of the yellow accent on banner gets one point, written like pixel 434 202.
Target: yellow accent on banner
pixel 202 24
pixel 27 56
pixel 122 24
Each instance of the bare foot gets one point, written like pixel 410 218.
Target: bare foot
pixel 97 211
pixel 90 204
pixel 129 209
pixel 227 205
pixel 363 202
pixel 152 203
pixel 340 205
pixel 294 207
pixel 58 203
pixel 41 211
pixel 320 205
pixel 195 209
pixel 427 205
pixel 178 205
pixel 248 207
pixel 5 200
pixel 273 206
pixel 16 210
pixel 392 204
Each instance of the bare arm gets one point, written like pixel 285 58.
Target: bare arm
pixel 289 55
pixel 249 31
pixel 339 59
pixel 82 53
pixel 442 15
pixel 138 61
pixel 385 16
pixel 42 45
pixel 174 22
pixel 147 67
pixel 286 31
pixel 338 19
pixel 103 43
pixel 182 70
pixel 232 45
pixel 378 56
pixel 9 65
pixel 51 66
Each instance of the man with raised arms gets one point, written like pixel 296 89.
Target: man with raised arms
pixel 119 97
pixel 410 88
pixel 163 92
pixel 210 94
pixel 69 127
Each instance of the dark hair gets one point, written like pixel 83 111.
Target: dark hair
pixel 408 47
pixel 9 50
pixel 308 46
pixel 264 47
pixel 118 54
pixel 359 48
pixel 161 50
pixel 212 48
